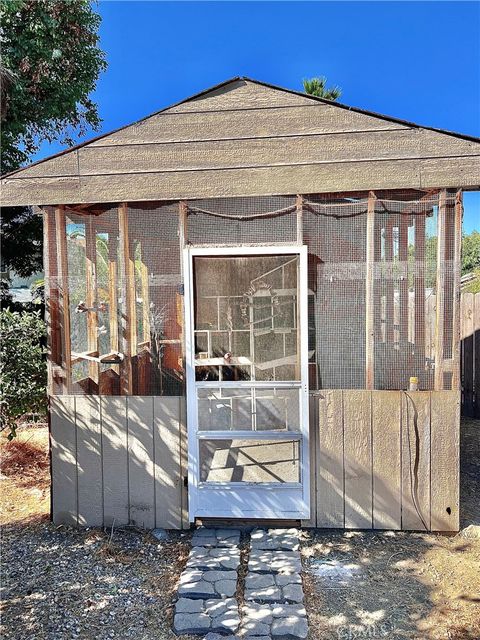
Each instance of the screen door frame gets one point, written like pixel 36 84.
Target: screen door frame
pixel 243 499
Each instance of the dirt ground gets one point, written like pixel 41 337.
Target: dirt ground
pixel 59 583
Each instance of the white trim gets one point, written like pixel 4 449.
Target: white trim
pixel 295 496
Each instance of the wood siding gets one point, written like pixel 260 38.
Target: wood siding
pixel 374 457
pixel 247 139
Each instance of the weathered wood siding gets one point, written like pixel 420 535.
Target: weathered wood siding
pixel 245 139
pixel 386 460
pixel 379 459
pixel 118 460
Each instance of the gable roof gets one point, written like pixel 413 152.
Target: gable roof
pixel 239 129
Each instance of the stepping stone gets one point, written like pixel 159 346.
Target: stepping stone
pixel 275 539
pixel 198 616
pixel 277 621
pixel 198 584
pixel 214 558
pixel 262 561
pixel 203 537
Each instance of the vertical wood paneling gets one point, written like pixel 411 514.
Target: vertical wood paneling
pixel 313 441
pixel 330 476
pixel 357 429
pixel 89 461
pixel 416 460
pixel 445 448
pixel 141 461
pixel 115 460
pixel 64 464
pixel 168 480
pixel 386 456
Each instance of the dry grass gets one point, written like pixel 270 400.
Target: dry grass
pixel 25 476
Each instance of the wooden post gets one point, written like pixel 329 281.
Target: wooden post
pixel 419 288
pixel 440 290
pixel 52 312
pixel 64 298
pixel 369 295
pixel 91 297
pixel 129 333
pixel 457 256
pixel 299 210
pixel 403 298
pixel 182 236
pixel 389 289
pixel 112 295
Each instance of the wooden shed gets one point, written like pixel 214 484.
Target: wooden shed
pixel 239 289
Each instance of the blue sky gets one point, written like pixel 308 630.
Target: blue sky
pixel 419 61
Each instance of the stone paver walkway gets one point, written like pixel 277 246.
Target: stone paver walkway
pixel 273 598
pixel 208 584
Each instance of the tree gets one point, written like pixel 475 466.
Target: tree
pixel 471 252
pixel 318 87
pixel 50 64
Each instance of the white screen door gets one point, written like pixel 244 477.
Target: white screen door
pixel 247 387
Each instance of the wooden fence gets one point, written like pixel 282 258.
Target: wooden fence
pixel 470 354
pixel 379 459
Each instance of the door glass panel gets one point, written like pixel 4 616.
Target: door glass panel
pixel 249 409
pixel 246 317
pixel 249 461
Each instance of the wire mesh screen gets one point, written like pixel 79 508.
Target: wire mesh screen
pixel 121 274
pixel 334 231
pixel 115 288
pixel 235 221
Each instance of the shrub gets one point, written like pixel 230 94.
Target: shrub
pixel 23 372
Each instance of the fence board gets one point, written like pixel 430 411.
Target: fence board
pixel 357 459
pixel 141 461
pixel 416 460
pixel 115 460
pixel 445 448
pixel 386 456
pixel 168 480
pixel 330 476
pixel 89 461
pixel 64 462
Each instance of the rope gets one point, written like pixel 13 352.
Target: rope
pixel 267 214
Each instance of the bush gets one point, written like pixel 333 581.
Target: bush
pixel 23 371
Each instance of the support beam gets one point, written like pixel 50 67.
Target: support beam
pixel 299 211
pixel 457 257
pixel 369 295
pixel 64 298
pixel 129 329
pixel 91 297
pixel 52 311
pixel 112 294
pixel 403 297
pixel 389 289
pixel 440 290
pixel 180 302
pixel 419 289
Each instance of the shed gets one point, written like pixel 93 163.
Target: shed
pixel 239 289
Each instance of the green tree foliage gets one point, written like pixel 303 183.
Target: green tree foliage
pixel 471 252
pixel 50 64
pixel 23 376
pixel 318 87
